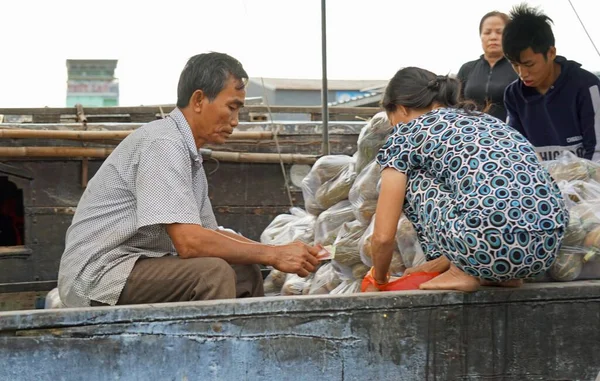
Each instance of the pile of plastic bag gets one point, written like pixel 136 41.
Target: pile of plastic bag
pixel 341 193
pixel 340 196
pixel 578 180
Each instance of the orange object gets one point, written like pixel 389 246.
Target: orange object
pixel 408 282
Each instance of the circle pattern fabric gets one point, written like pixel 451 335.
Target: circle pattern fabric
pixel 477 193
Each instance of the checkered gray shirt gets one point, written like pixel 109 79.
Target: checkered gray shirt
pixel 154 177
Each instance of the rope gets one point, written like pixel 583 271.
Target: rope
pixel 584 28
pixel 275 137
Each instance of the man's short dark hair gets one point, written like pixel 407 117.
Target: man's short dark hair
pixel 208 72
pixel 528 27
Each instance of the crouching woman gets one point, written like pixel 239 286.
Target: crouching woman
pixel 485 211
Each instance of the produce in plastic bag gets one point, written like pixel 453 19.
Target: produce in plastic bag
pixel 372 137
pixel 580 191
pixel 53 300
pixel 408 243
pixel 347 287
pixel 335 190
pixel 581 243
pixel 359 270
pixel 303 229
pixel 325 280
pixel 569 260
pixel 363 194
pixel 296 285
pixel 330 222
pixel 397 266
pixel 286 228
pixel 325 169
pixel 570 167
pixel 567 266
pixel 346 243
pixel 274 282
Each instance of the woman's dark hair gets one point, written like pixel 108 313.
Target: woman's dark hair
pixel 417 88
pixel 501 15
pixel 527 28
pixel 208 72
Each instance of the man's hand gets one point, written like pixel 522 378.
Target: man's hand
pixel 296 258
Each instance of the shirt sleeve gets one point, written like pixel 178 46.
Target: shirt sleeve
pixel 164 187
pixel 207 215
pixel 512 117
pixel 589 119
pixel 398 152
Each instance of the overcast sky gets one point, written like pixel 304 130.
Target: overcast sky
pixel 273 38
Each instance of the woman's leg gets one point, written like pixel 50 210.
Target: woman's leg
pixel 500 260
pixel 453 279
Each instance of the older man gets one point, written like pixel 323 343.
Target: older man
pixel 144 230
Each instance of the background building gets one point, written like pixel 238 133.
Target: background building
pixel 92 83
pixel 307 92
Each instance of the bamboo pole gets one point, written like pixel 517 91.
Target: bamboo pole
pixel 107 135
pixel 78 152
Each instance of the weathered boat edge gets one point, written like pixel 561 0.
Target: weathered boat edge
pixel 539 332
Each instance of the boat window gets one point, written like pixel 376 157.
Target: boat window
pixel 12 222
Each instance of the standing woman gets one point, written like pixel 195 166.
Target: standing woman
pixel 484 80
pixel 485 210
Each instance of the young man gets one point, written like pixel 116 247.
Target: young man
pixel 144 230
pixel 555 103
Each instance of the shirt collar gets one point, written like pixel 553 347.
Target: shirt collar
pixel 186 131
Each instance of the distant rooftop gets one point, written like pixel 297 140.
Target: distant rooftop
pixel 315 84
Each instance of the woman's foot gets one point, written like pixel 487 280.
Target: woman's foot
pixel 439 265
pixel 508 283
pixel 453 279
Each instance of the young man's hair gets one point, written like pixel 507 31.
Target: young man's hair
pixel 528 27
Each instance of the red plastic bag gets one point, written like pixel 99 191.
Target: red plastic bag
pixel 408 282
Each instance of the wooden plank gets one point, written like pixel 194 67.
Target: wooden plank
pixel 14 251
pixel 156 110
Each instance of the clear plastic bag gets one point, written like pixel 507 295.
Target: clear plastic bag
pixel 274 282
pixel 346 245
pixel 569 167
pixel 330 222
pixel 408 243
pixel 325 280
pixel 364 194
pixel 52 300
pixel 372 137
pixel 397 266
pixel 579 254
pixel 287 228
pixel 296 285
pixel 325 169
pixel 347 287
pixel 336 189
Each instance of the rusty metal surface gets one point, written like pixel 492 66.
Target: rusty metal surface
pixel 539 332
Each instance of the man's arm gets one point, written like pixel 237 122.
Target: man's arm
pixel 193 241
pixel 589 119
pixel 235 236
pixel 165 196
pixel 512 118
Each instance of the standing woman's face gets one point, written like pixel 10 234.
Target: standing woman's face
pixel 491 36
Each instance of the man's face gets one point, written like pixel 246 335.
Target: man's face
pixel 216 119
pixel 533 68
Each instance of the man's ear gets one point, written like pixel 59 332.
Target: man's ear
pixel 197 100
pixel 551 53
